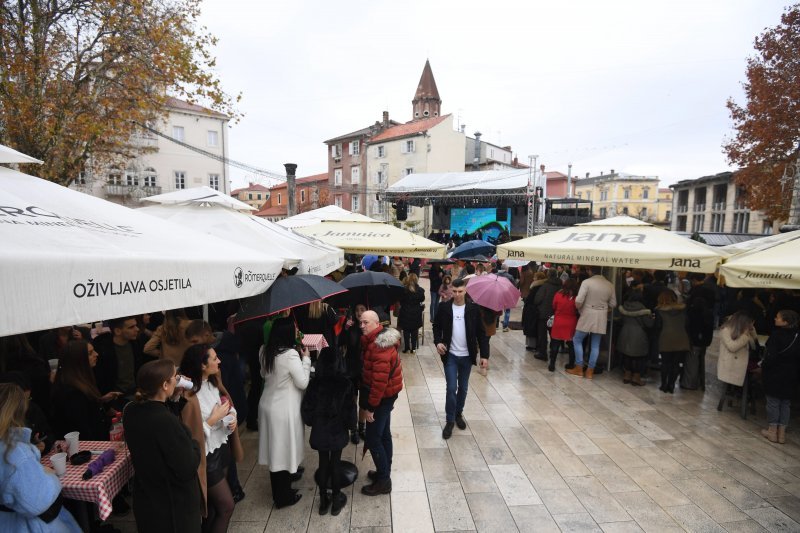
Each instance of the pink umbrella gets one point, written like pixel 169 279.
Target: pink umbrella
pixel 493 292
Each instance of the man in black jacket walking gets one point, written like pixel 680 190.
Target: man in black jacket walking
pixel 458 333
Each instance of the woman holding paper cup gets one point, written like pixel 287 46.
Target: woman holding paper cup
pixel 30 496
pixel 166 489
pixel 77 403
pixel 204 413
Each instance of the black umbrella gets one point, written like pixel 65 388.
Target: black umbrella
pixel 472 249
pixel 372 288
pixel 285 293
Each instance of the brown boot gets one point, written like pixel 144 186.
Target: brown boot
pixel 576 370
pixel 626 377
pixel 781 434
pixel 771 434
pixel 589 373
pixel 637 380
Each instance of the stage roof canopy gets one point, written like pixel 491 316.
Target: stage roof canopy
pixel 484 180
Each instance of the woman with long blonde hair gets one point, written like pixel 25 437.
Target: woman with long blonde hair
pixel 30 493
pixel 169 339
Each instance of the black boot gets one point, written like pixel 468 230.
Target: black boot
pixel 553 355
pixel 324 501
pixel 571 363
pixel 338 502
pixel 354 438
pixel 362 429
pixel 380 486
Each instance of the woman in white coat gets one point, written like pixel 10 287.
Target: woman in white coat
pixel 281 432
pixel 736 337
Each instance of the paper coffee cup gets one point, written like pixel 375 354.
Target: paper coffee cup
pixel 59 462
pixel 53 364
pixel 72 442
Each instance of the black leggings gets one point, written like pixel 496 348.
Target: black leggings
pixel 220 508
pixel 670 367
pixel 329 463
pixel 410 339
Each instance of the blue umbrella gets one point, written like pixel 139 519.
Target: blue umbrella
pixel 368 261
pixel 472 249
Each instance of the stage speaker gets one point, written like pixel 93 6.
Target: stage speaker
pixel 402 211
pixel 502 214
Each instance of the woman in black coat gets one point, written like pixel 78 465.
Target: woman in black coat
pixel 529 311
pixel 410 317
pixel 350 339
pixel 779 368
pixel 77 403
pixel 166 489
pixel 333 416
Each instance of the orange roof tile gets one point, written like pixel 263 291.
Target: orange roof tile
pixel 308 179
pixel 409 128
pixel 273 211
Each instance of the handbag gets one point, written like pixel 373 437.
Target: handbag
pixel 550 321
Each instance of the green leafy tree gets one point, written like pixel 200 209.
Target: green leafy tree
pixel 77 76
pixel 768 125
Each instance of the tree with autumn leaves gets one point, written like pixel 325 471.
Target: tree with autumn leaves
pixel 77 76
pixel 767 135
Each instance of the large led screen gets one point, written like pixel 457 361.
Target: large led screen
pixel 479 218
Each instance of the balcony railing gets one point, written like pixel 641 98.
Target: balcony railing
pixel 114 189
pixel 683 208
pixel 699 207
pixel 718 206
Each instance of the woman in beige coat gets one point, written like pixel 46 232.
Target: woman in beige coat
pixel 595 298
pixel 737 336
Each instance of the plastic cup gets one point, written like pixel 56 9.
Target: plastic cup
pixel 227 420
pixel 72 442
pixel 53 364
pixel 59 462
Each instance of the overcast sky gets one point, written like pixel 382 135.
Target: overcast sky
pixel 638 86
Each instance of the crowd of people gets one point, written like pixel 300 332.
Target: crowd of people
pixel 181 383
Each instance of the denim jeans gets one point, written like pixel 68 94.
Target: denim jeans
pixel 378 438
pixel 577 340
pixel 456 373
pixel 777 411
pixel 434 304
pixel 506 317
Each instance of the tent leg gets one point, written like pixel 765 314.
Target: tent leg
pixel 611 320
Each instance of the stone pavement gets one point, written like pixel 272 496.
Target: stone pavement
pixel 551 452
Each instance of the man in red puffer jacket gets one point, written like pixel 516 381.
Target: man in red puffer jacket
pixel 382 378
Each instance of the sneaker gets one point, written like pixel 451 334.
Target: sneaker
pixel 505 328
pixel 382 486
pixel 448 430
pixel 460 422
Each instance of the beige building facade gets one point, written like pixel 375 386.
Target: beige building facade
pixel 618 193
pixel 171 165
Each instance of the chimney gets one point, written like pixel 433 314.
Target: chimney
pixel 463 128
pixel 587 174
pixel 612 171
pixel 291 208
pixel 476 162
pixel 385 119
pixel 601 172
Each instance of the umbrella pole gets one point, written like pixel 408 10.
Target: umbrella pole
pixel 205 312
pixel 611 319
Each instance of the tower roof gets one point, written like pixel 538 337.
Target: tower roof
pixel 427 85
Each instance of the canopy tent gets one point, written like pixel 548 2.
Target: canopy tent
pixel 761 242
pixel 374 238
pixel 453 188
pixel 199 196
pixel 9 155
pixel 772 266
pixel 69 258
pixel 616 242
pixel 310 256
pixel 323 214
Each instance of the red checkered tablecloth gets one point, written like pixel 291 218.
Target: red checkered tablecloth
pixel 102 488
pixel 314 341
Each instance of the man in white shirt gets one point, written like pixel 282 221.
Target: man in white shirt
pixel 458 333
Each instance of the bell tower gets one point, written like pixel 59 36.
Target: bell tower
pixel 426 100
